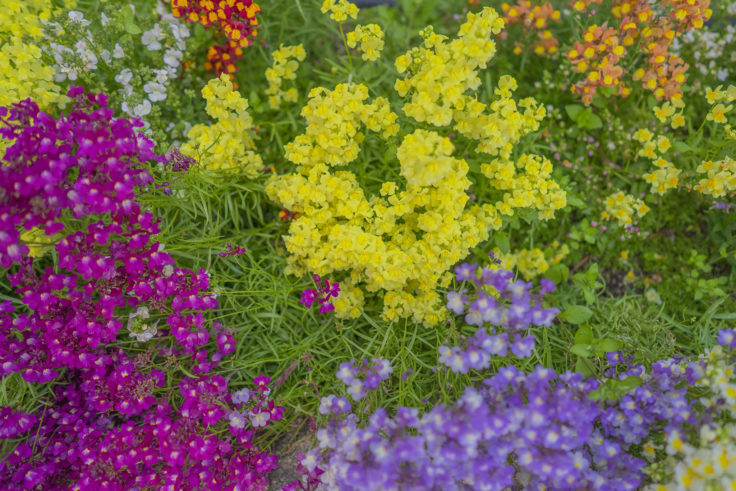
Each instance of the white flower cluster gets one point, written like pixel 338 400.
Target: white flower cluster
pixel 155 39
pixel 70 62
pixel 708 462
pixel 713 50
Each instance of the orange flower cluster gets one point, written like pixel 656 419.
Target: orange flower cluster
pixel 236 19
pixel 653 27
pixel 221 58
pixel 533 18
pixel 598 56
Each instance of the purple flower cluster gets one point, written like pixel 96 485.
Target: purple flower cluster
pixel 255 406
pixel 533 431
pixel 662 398
pixel 108 424
pixel 322 294
pixel 365 377
pixel 504 308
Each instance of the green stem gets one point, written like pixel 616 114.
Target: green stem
pixel 345 43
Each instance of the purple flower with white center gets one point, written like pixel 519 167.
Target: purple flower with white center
pixel 456 302
pixel 240 397
pixel 259 419
pixel 465 272
pixel 727 337
pixel 556 435
pixel 504 317
pixel 364 377
pixel 236 419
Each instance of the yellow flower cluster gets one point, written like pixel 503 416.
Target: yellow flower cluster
pixel 666 176
pixel 340 9
pixel 403 240
pixel 334 119
pixel 285 63
pixel 370 38
pixel 716 98
pixel 37 241
pixel 622 207
pixel 439 74
pixel 438 77
pixel 526 184
pixel 226 144
pixel 720 177
pixel 532 262
pixel 671 112
pixel 23 73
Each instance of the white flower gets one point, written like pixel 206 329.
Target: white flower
pixel 722 74
pixel 104 19
pixel 118 52
pixel 87 57
pixel 123 78
pixel 162 75
pixel 151 38
pixel 156 92
pixel 142 109
pixel 78 17
pixel 105 55
pixel 172 57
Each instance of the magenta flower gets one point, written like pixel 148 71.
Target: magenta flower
pixel 322 294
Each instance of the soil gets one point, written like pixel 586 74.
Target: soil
pixel 287 451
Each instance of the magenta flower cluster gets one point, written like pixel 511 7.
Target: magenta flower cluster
pixel 108 424
pixel 504 317
pixel 233 250
pixel 322 294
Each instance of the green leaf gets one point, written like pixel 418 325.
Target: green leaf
pixel 681 147
pixel 594 122
pixel 502 242
pixel 582 367
pixel 629 383
pixel 589 296
pixel 573 110
pixel 595 394
pixel 558 274
pixel 129 21
pixel 584 335
pixel 576 314
pixel 576 202
pixel 390 154
pixel 606 345
pixel 580 350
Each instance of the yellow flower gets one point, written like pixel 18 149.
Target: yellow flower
pixel 340 10
pixel 720 177
pixel 285 63
pixel 370 38
pixel 718 113
pixel 622 207
pixel 226 144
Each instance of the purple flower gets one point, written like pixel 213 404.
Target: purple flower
pixel 464 272
pixel 727 337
